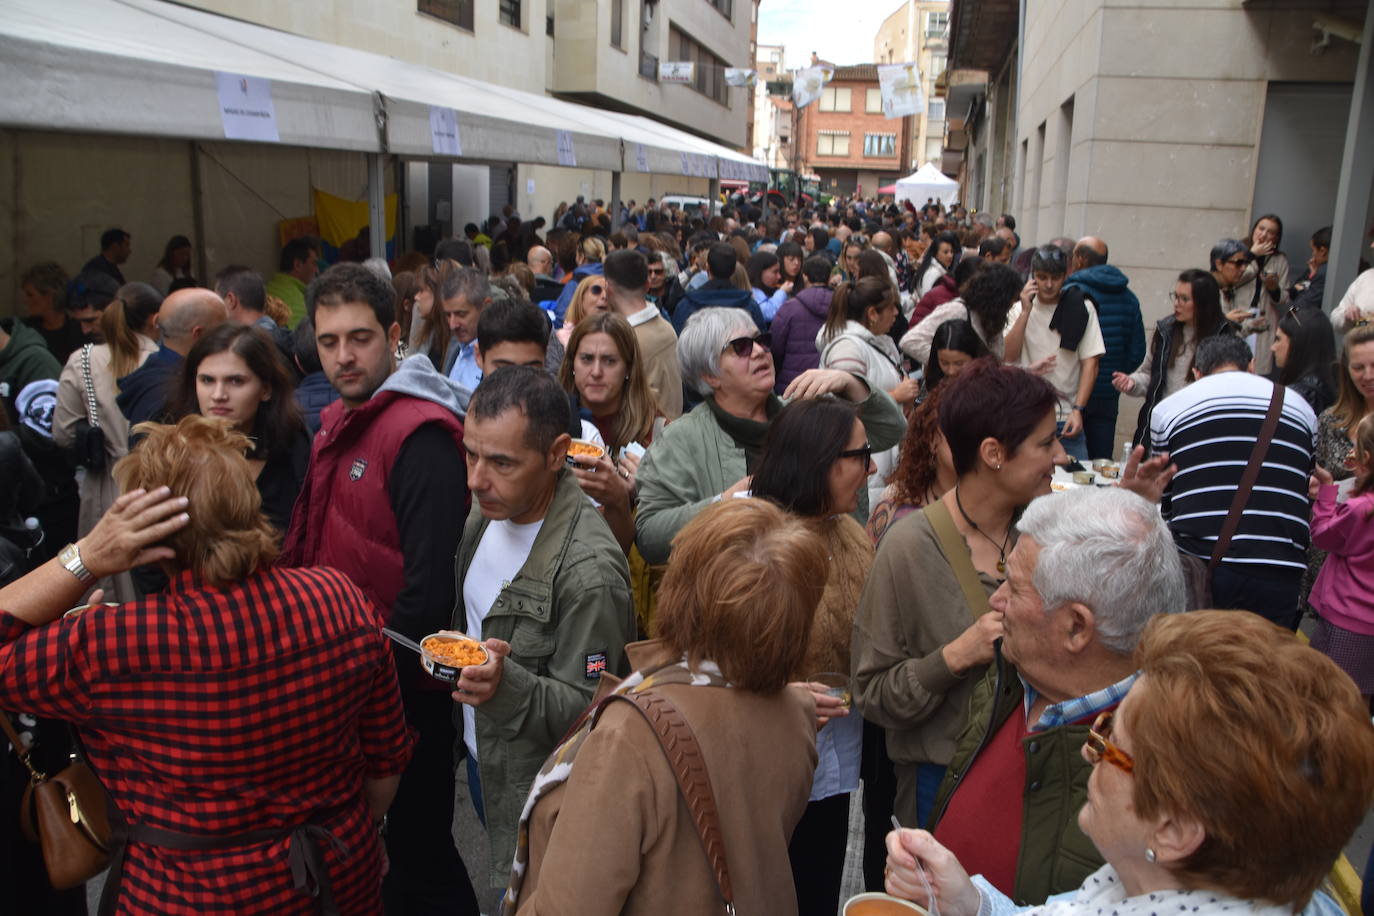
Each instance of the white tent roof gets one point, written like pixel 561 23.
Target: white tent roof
pixel 925 183
pixel 147 67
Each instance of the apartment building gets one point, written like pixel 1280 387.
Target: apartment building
pixel 918 31
pixel 844 138
pixel 772 114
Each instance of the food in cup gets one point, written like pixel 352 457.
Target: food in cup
pixel 1110 471
pixel 445 655
pixel 874 904
pixel 1083 478
pixel 581 448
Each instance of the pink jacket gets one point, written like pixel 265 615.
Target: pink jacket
pixel 1342 592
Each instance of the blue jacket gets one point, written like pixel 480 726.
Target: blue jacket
pixel 1118 314
pixel 560 308
pixel 712 296
pixel 143 393
pixel 313 394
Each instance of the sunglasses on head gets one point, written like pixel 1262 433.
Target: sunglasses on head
pixel 744 346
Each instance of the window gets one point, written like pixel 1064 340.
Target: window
pixel 873 101
pixel 880 145
pixel 710 70
pixel 458 12
pixel 508 12
pixel 836 99
pixel 937 65
pixel 935 109
pixel 935 148
pixel 937 24
pixel 725 7
pixel 832 142
pixel 618 24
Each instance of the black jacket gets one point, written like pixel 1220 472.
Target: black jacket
pixel 1161 346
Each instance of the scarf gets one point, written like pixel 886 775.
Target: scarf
pixel 747 434
pixel 1103 895
pixel 1070 318
pixel 558 767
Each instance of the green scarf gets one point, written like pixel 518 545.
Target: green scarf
pixel 747 434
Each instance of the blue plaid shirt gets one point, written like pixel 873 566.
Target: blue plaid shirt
pixel 1079 708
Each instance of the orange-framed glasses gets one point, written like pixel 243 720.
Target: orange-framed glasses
pixel 1100 747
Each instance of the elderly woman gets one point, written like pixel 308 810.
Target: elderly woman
pixel 710 452
pixel 734 619
pixel 1206 795
pixel 308 738
pixel 924 633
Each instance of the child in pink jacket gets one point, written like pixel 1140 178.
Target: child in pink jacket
pixel 1344 592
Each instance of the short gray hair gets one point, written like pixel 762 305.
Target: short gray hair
pixel 470 283
pixel 704 337
pixel 1109 549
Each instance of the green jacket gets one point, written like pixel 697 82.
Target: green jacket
pixel 567 611
pixel 1055 855
pixel 291 290
pixel 693 461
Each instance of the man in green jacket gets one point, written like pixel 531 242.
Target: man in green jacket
pixel 543 582
pixel 1091 567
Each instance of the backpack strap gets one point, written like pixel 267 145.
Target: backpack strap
pixel 960 560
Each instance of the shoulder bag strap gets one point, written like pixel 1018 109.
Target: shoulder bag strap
pixel 1247 480
pixel 92 411
pixel 22 751
pixel 680 746
pixel 957 552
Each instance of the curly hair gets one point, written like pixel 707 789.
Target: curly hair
pixel 919 467
pixel 203 459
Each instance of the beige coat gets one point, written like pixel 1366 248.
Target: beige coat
pixel 98 489
pixel 617 836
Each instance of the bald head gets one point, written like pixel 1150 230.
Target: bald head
pixel 883 241
pixel 188 313
pixel 1090 251
pixel 540 260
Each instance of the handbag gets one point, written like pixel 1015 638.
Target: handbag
pixel 90 438
pixel 1197 574
pixel 67 815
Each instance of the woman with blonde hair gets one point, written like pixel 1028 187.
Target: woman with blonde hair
pixel 589 298
pixel 86 393
pixel 735 615
pixel 278 802
pixel 588 255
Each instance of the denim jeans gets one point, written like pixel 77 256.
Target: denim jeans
pixel 1077 446
pixel 1099 427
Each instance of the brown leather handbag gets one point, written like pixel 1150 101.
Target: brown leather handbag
pixel 66 814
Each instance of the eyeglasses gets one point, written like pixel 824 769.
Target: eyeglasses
pixel 1100 748
pixel 744 346
pixel 863 454
pixel 1175 297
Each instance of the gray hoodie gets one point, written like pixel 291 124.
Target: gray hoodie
pixel 417 377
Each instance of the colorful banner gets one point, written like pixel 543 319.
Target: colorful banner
pixel 343 221
pixel 676 71
pixel 900 85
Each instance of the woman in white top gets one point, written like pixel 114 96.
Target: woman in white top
pixel 175 264
pixel 855 339
pixel 1262 290
pixel 129 327
pixel 991 302
pixel 940 257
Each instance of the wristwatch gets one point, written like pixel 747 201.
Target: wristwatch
pixel 1080 407
pixel 70 558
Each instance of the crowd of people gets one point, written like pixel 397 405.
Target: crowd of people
pixel 806 459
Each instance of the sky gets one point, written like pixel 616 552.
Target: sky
pixel 840 32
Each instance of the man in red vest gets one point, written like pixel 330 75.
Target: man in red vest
pixel 384 502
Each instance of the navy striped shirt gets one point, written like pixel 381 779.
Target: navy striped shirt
pixel 1209 429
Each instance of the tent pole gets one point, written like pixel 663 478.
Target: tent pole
pixel 198 212
pixel 615 201
pixel 376 205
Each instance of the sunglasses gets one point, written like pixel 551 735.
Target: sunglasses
pixel 864 454
pixel 596 289
pixel 1100 747
pixel 1238 262
pixel 744 346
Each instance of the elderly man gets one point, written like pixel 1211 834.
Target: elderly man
pixel 1089 570
pixel 546 288
pixel 183 317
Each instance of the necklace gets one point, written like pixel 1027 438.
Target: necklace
pixel 1001 548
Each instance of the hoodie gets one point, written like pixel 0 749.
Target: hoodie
pixel 560 308
pixel 716 294
pixel 143 392
pixel 1118 315
pixel 794 333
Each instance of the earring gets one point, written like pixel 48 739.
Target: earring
pixel 1149 855
pixel 999 467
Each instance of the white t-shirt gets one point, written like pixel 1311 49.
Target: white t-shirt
pixel 1041 342
pixel 502 551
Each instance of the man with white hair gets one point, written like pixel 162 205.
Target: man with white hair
pixel 1090 568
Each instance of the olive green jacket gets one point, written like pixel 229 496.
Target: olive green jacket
pixel 566 613
pixel 1055 856
pixel 694 460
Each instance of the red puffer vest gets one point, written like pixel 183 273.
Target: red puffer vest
pixel 343 516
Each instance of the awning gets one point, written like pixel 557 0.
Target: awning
pixel 148 67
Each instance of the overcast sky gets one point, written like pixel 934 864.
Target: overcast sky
pixel 840 32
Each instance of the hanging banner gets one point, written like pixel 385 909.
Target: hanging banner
pixel 686 163
pixel 641 157
pixel 808 83
pixel 900 85
pixel 245 107
pixel 342 222
pixel 676 71
pixel 566 154
pixel 443 131
pixel 741 77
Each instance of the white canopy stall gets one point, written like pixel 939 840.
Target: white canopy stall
pixel 926 183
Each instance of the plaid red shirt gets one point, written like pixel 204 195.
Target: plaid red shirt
pixel 215 712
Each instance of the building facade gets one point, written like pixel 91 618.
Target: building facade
pixel 844 138
pixel 918 31
pixel 772 116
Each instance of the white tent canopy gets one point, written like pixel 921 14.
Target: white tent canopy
pixel 147 67
pixel 926 183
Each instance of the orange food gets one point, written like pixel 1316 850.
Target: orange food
pixel 585 449
pixel 456 653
